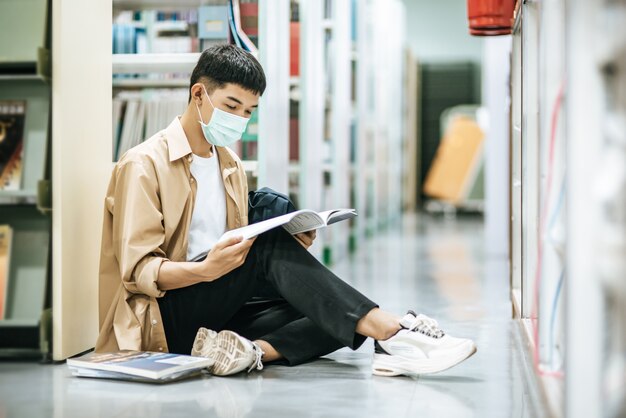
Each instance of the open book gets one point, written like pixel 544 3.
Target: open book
pixel 295 223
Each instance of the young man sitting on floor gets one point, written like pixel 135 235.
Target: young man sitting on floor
pixel 249 301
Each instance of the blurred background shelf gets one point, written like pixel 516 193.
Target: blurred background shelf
pixel 154 63
pixel 165 5
pixel 18 197
pixel 24 77
pixel 140 83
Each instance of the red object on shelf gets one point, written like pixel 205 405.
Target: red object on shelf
pixel 249 18
pixel 294 46
pixel 490 17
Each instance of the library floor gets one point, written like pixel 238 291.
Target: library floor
pixel 427 264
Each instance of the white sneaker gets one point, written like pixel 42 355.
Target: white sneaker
pixel 230 352
pixel 420 347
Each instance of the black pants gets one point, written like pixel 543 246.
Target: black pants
pixel 281 294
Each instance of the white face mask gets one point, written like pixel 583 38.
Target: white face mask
pixel 224 128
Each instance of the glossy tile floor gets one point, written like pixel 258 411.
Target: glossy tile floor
pixel 427 264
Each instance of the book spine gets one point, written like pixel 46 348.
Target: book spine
pixel 5 263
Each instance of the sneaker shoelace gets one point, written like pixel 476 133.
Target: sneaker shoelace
pixel 258 354
pixel 425 325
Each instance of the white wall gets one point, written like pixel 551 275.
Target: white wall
pixel 438 31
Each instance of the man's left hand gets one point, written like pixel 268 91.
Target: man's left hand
pixel 306 238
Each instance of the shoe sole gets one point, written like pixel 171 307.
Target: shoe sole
pixel 389 365
pixel 226 350
pixel 203 340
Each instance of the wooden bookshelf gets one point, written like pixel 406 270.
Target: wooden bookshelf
pixel 25 76
pixel 81 167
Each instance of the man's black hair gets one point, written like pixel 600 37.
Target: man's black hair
pixel 223 64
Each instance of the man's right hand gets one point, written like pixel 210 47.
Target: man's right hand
pixel 226 256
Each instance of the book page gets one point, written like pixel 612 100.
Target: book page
pixel 306 221
pixel 295 223
pixel 253 230
pixel 336 215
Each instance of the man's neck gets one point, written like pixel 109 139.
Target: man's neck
pixel 195 137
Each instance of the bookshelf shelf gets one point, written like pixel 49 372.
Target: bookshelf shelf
pixel 139 83
pixel 294 167
pixel 171 25
pixel 18 197
pixel 24 77
pixel 154 63
pixel 18 322
pixel 35 67
pixel 164 5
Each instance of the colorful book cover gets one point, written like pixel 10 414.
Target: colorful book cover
pixel 12 115
pixel 146 364
pixel 5 258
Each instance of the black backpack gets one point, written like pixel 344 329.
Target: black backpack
pixel 266 203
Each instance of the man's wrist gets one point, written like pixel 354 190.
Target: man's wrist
pixel 205 270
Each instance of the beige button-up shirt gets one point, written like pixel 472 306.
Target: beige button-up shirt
pixel 147 213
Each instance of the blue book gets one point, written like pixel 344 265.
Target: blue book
pixel 137 365
pixel 213 22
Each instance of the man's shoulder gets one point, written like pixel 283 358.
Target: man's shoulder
pixel 152 151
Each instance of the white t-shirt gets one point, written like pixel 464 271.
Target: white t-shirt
pixel 208 221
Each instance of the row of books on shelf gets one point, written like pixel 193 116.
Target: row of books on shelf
pixel 12 120
pixel 24 257
pixel 131 39
pixel 137 115
pixel 151 31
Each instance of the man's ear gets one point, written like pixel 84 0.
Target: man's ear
pixel 197 93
